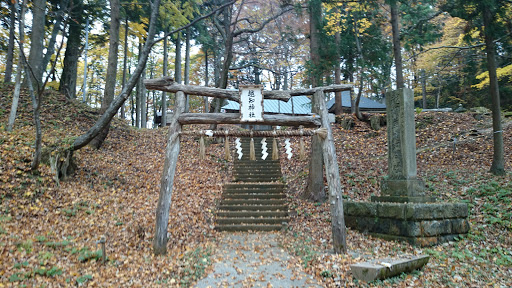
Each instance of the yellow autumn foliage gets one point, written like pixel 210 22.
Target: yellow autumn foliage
pixel 504 72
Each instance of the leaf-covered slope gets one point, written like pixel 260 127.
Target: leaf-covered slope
pixel 48 233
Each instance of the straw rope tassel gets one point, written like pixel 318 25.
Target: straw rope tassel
pixel 302 153
pixel 252 153
pixel 226 147
pixel 202 152
pixel 275 151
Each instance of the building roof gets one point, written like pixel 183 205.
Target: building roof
pixel 364 103
pixel 300 105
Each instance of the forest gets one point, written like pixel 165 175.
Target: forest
pixel 82 154
pixel 269 42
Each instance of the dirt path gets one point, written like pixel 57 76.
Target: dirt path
pixel 254 260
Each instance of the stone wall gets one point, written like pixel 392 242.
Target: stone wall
pixel 422 224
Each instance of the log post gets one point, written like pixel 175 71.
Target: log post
pixel 166 183
pixel 339 233
pixel 234 118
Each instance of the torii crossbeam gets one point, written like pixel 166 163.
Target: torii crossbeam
pixel 180 118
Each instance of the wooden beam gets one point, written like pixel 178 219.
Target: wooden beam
pixel 339 233
pixel 256 133
pixel 167 84
pixel 166 182
pixel 234 118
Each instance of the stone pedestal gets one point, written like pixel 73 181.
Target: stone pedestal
pixel 422 224
pixel 402 191
pixel 403 211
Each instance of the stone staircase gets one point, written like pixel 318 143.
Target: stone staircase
pixel 255 200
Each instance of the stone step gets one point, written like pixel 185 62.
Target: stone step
pixel 257 178
pixel 252 202
pixel 226 221
pixel 253 179
pixel 257 173
pixel 257 163
pixel 254 196
pixel 252 207
pixel 267 161
pixel 245 214
pixel 257 166
pixel 252 191
pixel 249 227
pixel 245 186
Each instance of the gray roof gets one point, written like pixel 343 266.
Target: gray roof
pixel 296 105
pixel 364 103
pixel 301 105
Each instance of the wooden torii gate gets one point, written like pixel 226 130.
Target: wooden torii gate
pixel 180 118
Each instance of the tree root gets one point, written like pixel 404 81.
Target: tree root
pixel 61 162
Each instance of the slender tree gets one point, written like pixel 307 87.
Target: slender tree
pixel 10 47
pixel 488 11
pixel 73 43
pixel 110 83
pixel 35 57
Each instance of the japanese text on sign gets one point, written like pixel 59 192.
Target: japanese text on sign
pixel 251 103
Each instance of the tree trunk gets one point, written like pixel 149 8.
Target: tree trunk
pixel 57 27
pixel 187 66
pixel 36 98
pixel 228 49
pixel 396 44
pixel 361 73
pixel 110 85
pixel 143 101
pixel 86 50
pixel 424 88
pixel 106 117
pixel 10 47
pixel 206 80
pixel 167 180
pixel 498 159
pixel 177 61
pixel 125 59
pixel 138 93
pixel 339 233
pixel 17 85
pixel 69 71
pixel 163 121
pixel 315 14
pixel 358 99
pixel 315 189
pixel 16 94
pixel 315 183
pixel 35 58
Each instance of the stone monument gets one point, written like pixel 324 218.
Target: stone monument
pixel 403 211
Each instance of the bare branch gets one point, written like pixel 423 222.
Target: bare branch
pixel 193 22
pixel 270 19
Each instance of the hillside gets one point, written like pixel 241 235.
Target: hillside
pixel 49 233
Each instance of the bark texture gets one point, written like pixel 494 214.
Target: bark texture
pixel 339 233
pixel 35 58
pixel 167 180
pixel 110 85
pixel 234 118
pixel 69 71
pixel 498 158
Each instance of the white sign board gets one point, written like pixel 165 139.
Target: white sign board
pixel 251 103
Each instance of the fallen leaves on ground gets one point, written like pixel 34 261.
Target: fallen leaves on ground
pixel 49 234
